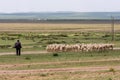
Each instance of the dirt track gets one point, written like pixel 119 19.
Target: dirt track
pixel 25 52
pixel 90 69
pixel 36 52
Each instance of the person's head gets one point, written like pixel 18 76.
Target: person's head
pixel 18 41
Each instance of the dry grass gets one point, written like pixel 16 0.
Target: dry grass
pixel 65 76
pixel 49 27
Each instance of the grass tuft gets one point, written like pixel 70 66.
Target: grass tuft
pixel 27 58
pixel 55 54
pixel 112 70
pixel 110 79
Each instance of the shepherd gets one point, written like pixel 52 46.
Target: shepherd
pixel 18 47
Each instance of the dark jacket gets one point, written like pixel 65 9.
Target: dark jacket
pixel 17 45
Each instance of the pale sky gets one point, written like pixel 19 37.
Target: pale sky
pixel 59 5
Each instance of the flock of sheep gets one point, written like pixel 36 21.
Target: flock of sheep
pixel 78 47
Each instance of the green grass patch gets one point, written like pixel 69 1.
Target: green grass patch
pixel 64 56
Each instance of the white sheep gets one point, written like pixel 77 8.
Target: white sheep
pixel 78 47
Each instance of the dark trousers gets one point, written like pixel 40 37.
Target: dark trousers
pixel 18 51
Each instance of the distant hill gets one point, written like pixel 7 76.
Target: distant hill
pixel 60 15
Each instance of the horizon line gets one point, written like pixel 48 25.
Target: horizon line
pixel 56 12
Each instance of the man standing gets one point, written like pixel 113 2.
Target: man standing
pixel 18 48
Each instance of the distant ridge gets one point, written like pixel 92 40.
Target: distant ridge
pixel 61 15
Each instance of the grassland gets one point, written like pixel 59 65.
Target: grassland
pixel 36 36
pixel 108 61
pixel 73 59
pixel 52 27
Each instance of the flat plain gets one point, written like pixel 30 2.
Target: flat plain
pixel 67 65
pixel 55 27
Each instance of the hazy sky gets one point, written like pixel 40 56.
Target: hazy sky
pixel 59 5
